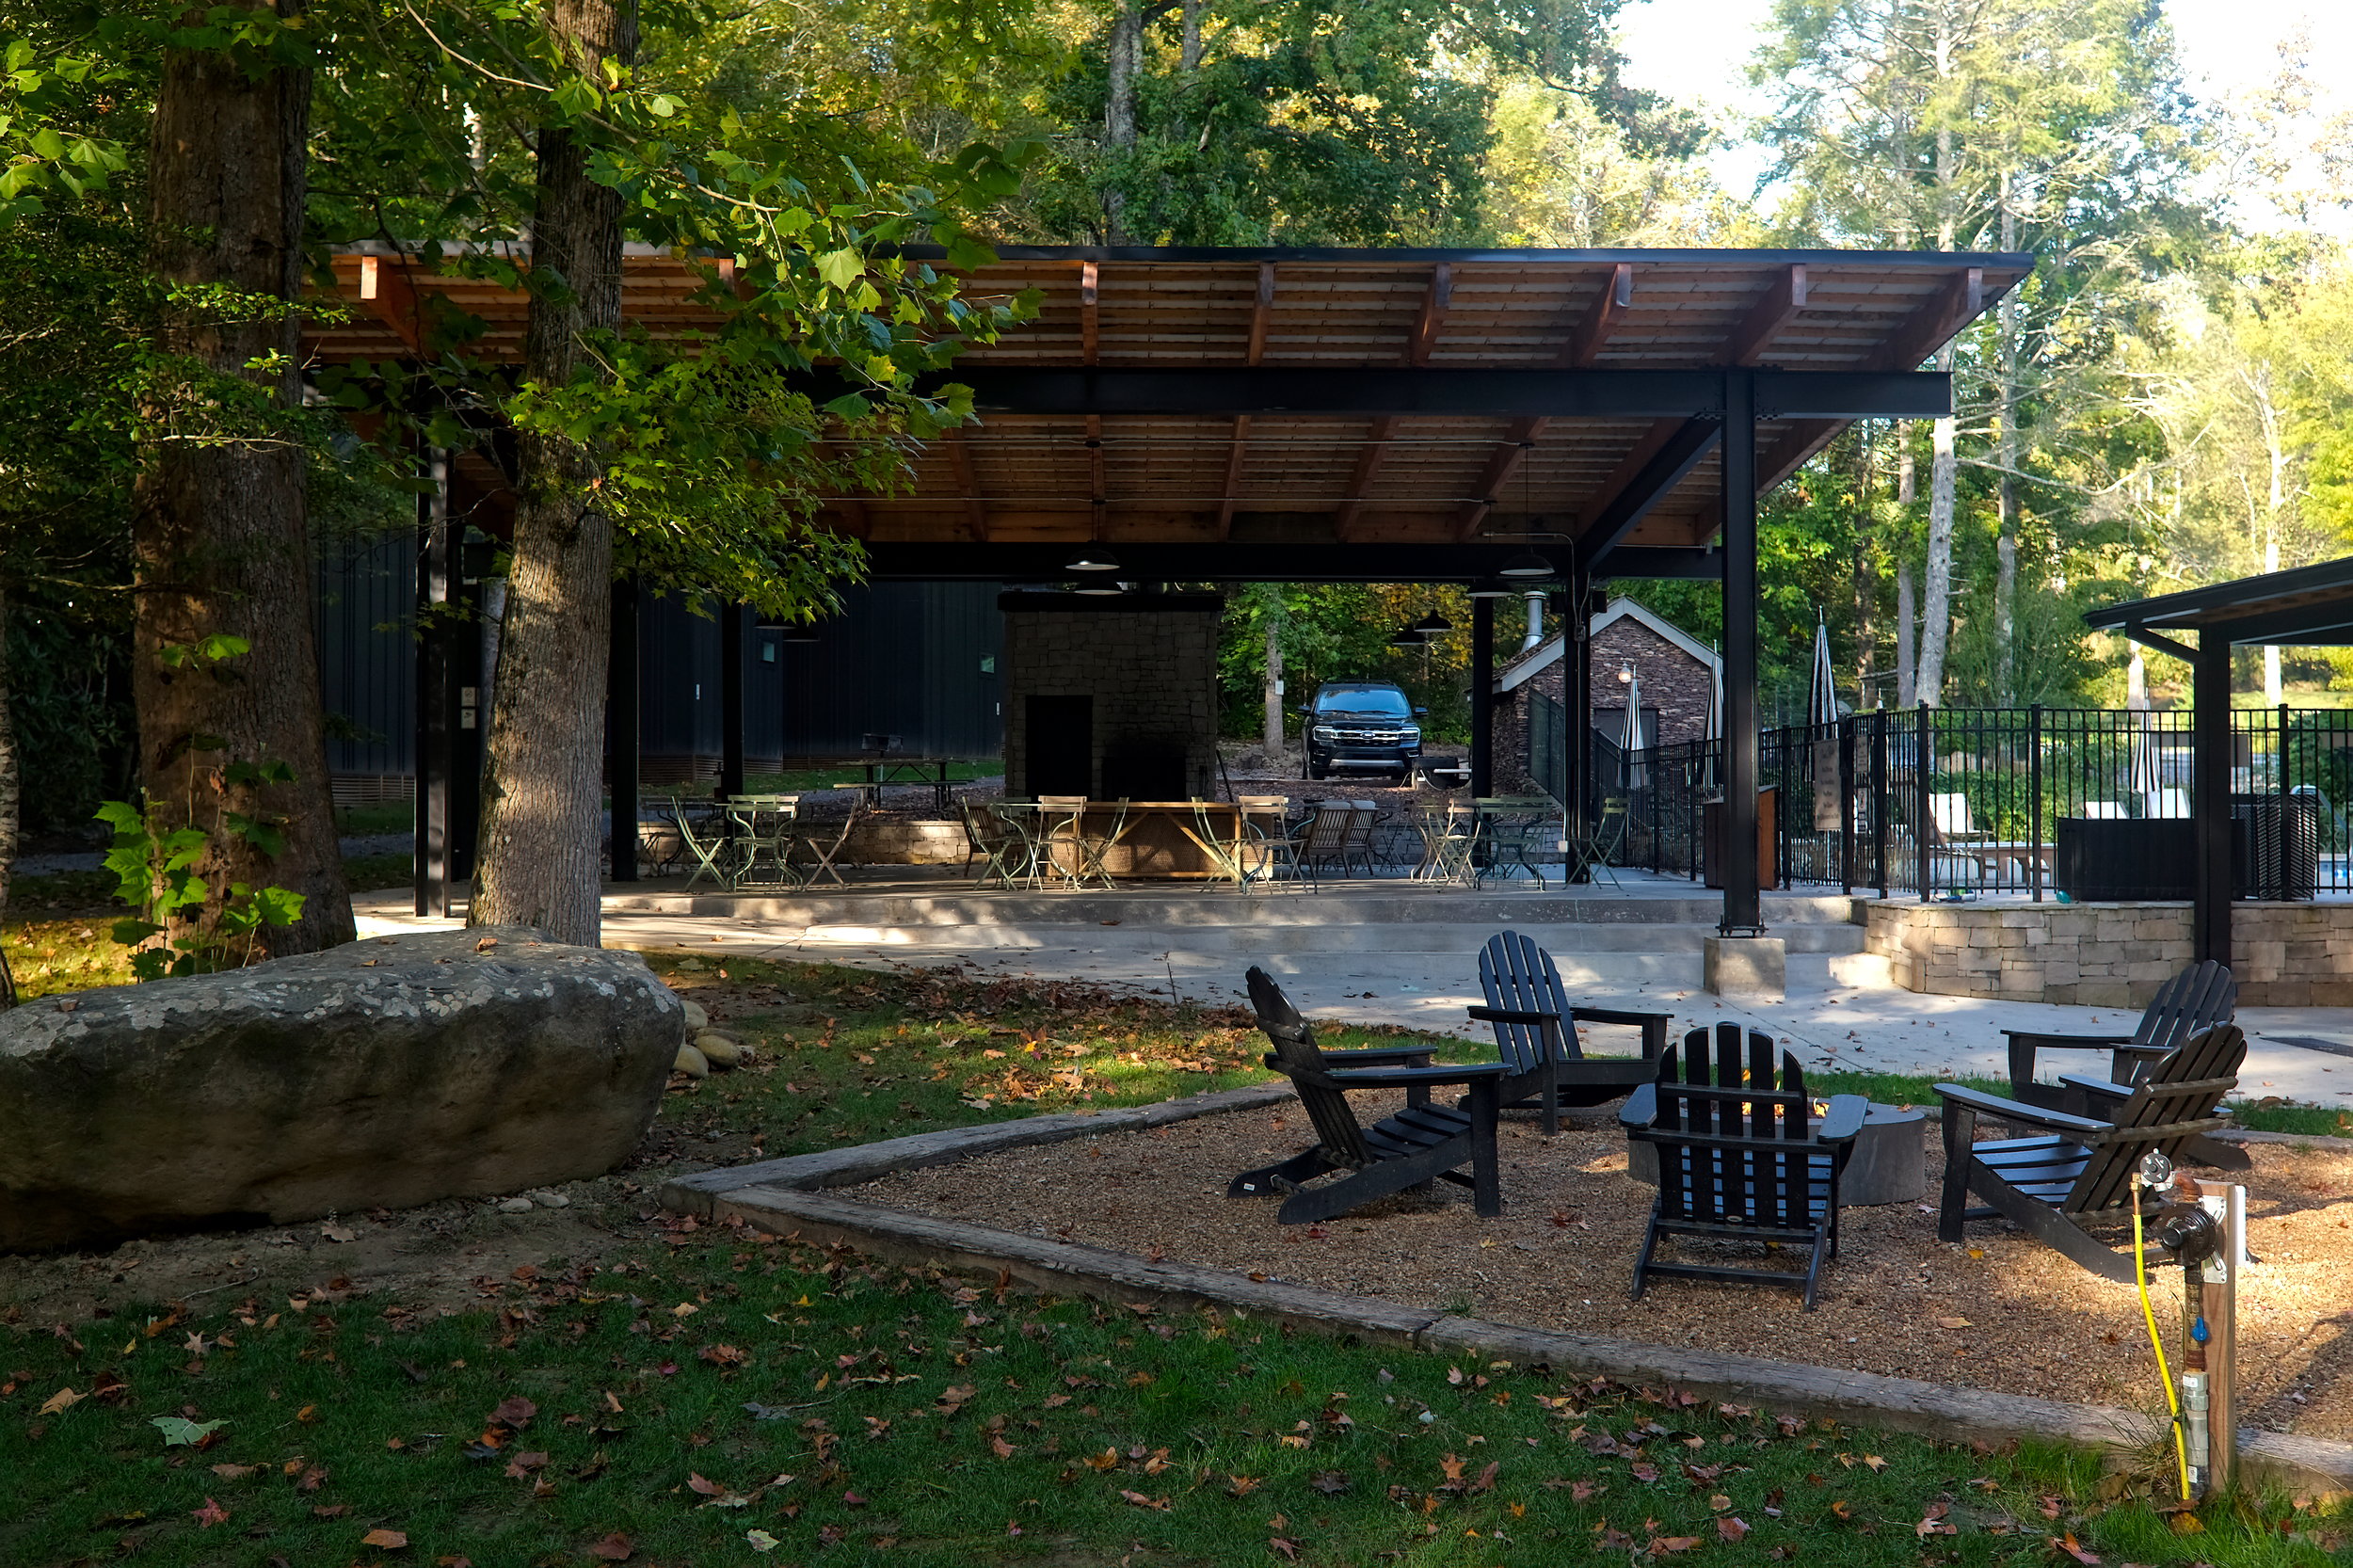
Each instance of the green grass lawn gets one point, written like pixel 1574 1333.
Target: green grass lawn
pixel 680 1394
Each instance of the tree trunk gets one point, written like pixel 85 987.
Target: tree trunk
pixel 11 770
pixel 218 531
pixel 543 795
pixel 1907 608
pixel 2005 453
pixel 1125 62
pixel 1274 681
pixel 1936 615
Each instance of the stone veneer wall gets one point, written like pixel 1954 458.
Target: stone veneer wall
pixel 2108 954
pixel 1673 681
pixel 1152 674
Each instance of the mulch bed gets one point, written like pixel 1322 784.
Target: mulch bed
pixel 1561 1255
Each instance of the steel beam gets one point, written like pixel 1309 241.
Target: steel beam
pixel 1684 449
pixel 1225 391
pixel 431 852
pixel 907 561
pixel 731 700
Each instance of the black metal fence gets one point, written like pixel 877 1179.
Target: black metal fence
pixel 1955 802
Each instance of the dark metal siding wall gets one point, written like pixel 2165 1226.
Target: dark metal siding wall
pixel 909 659
pixel 363 614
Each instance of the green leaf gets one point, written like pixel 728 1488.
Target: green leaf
pixel 841 269
pixel 179 1432
pixel 131 933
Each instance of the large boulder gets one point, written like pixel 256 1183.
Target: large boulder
pixel 393 1071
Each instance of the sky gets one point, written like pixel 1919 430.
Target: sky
pixel 1697 51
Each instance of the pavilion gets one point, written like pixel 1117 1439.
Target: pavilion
pixel 1554 417
pixel 2311 606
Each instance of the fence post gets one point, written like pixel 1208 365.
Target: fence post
pixel 2034 797
pixel 1846 804
pixel 2280 782
pixel 1923 745
pixel 1879 799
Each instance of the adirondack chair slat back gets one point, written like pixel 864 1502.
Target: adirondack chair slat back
pixel 1734 1089
pixel 1296 1054
pixel 2203 995
pixel 2184 1087
pixel 1520 976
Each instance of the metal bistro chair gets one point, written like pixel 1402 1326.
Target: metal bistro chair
pixel 1094 846
pixel 990 838
pixel 1059 819
pixel 713 852
pixel 1450 839
pixel 1270 849
pixel 1322 838
pixel 811 836
pixel 1516 825
pixel 1590 855
pixel 761 827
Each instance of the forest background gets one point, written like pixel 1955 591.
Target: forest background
pixel 2168 400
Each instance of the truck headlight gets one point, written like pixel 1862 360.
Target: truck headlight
pixel 1326 733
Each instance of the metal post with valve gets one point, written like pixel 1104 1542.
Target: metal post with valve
pixel 2204 1226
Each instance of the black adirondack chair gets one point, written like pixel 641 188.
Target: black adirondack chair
pixel 2079 1169
pixel 2198 998
pixel 1536 1034
pixel 1409 1149
pixel 1739 1155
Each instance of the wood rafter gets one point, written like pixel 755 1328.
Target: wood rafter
pixel 1585 343
pixel 1951 308
pixel 967 484
pixel 1768 317
pixel 1261 314
pixel 1427 323
pixel 1090 315
pixel 387 292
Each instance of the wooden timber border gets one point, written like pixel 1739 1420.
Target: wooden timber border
pixel 785 1197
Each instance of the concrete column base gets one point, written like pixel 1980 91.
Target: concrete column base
pixel 1745 967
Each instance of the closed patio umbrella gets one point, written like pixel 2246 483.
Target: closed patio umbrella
pixel 1821 716
pixel 1630 736
pixel 1712 734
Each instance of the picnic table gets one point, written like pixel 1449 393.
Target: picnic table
pixel 906 770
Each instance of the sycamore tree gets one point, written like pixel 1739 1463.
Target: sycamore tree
pixel 1996 124
pixel 529 144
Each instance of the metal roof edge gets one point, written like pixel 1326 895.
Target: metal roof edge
pixel 2239 592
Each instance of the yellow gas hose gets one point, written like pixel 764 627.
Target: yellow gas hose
pixel 2149 1314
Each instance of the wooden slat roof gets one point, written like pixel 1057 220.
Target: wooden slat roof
pixel 1309 478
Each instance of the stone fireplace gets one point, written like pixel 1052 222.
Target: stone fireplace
pixel 1110 695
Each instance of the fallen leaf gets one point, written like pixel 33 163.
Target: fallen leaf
pixel 331 1511
pixel 1284 1547
pixel 1330 1482
pixel 64 1399
pixel 1955 1323
pixel 1730 1531
pixel 708 1488
pixel 1875 1462
pixel 210 1514
pixel 1139 1501
pixel 235 1472
pixel 613 1548
pixel 522 1465
pixel 1241 1486
pixel 390 1540
pixel 1838 1506
pixel 1664 1545
pixel 179 1432
pixel 761 1541
pixel 2075 1548
pixel 515 1411
pixel 1001 1448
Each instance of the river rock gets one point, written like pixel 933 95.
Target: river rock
pixel 720 1050
pixel 388 1072
pixel 691 1062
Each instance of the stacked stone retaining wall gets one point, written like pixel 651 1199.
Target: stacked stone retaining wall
pixel 2108 954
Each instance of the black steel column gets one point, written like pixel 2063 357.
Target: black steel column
pixel 1743 911
pixel 731 699
pixel 621 730
pixel 1577 758
pixel 2210 795
pixel 430 866
pixel 1482 698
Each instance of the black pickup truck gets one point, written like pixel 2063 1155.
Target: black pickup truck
pixel 1361 726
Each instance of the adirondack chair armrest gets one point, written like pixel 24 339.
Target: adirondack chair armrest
pixel 1640 1108
pixel 1842 1122
pixel 1652 1025
pixel 1405 1078
pixel 2012 1112
pixel 1511 1015
pixel 2038 1040
pixel 2086 1092
pixel 1412 1056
